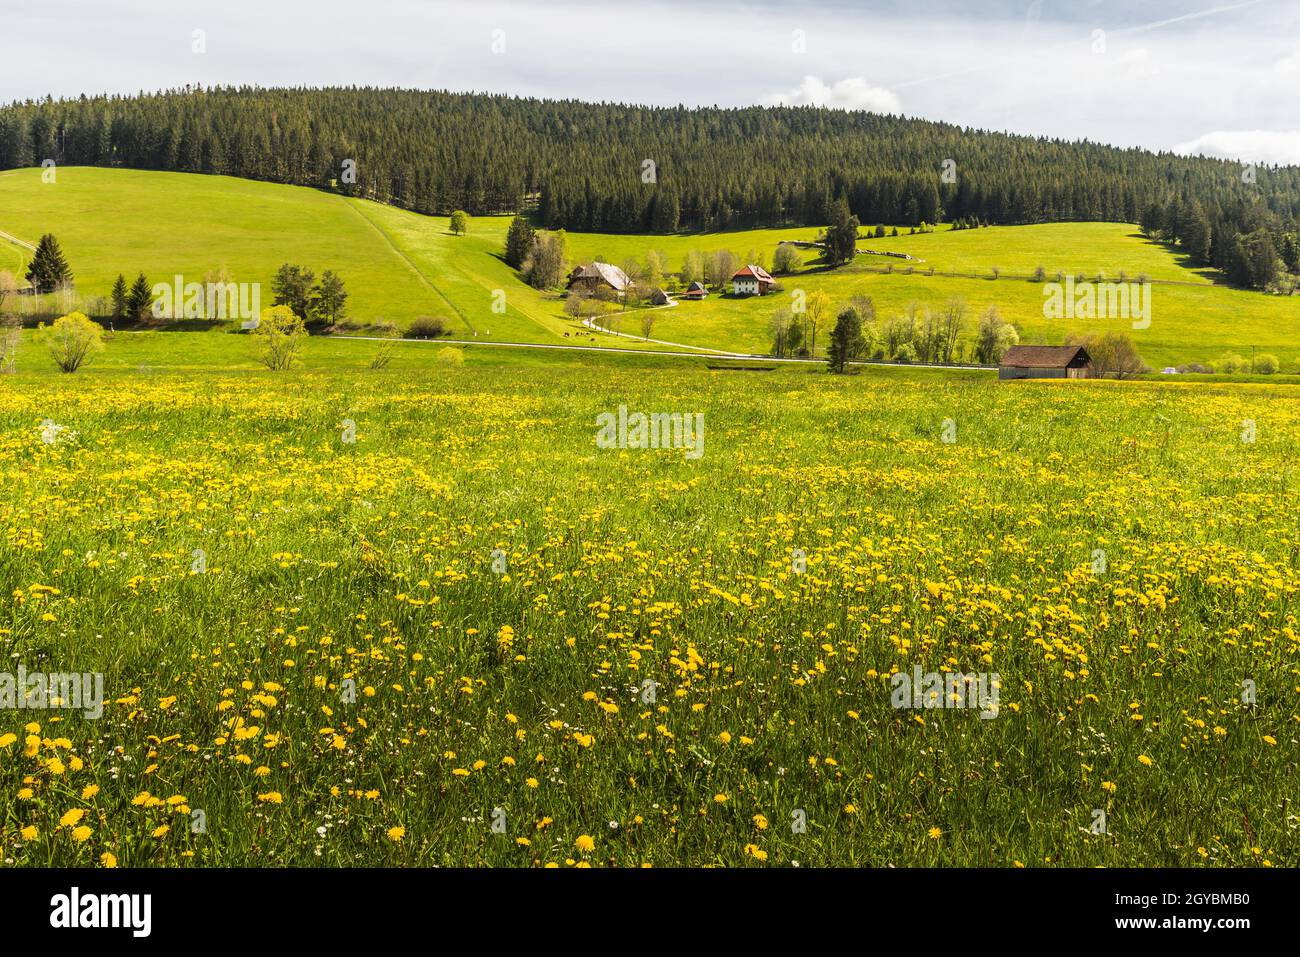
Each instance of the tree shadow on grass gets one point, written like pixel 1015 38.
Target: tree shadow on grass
pixel 1208 273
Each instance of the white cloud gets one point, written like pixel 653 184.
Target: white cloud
pixel 1281 147
pixel 1137 64
pixel 853 93
pixel 1288 65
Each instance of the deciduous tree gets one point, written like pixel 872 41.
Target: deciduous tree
pixel 71 340
pixel 282 334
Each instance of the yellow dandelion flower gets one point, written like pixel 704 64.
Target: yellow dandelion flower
pixel 72 818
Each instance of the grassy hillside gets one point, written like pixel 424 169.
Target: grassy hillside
pixel 1069 247
pixel 111 221
pixel 1188 323
pixel 13 258
pixel 322 562
pixel 399 265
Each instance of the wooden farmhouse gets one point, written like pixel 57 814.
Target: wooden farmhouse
pixel 695 290
pixel 1045 362
pixel 594 276
pixel 752 281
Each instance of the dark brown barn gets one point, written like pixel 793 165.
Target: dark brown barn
pixel 1045 362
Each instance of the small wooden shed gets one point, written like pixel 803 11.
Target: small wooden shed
pixel 1045 362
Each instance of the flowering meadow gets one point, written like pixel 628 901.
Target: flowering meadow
pixel 420 617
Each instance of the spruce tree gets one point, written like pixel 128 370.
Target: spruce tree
pixel 846 339
pixel 841 235
pixel 48 270
pixel 567 162
pixel 519 242
pixel 328 298
pixel 1153 220
pixel 120 298
pixel 139 301
pixel 292 287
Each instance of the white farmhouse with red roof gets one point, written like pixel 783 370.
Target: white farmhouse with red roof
pixel 752 281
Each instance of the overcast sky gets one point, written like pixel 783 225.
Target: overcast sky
pixel 1220 77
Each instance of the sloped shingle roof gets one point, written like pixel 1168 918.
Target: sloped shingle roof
pixel 610 274
pixel 1044 357
pixel 753 272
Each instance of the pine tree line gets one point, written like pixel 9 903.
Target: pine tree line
pixel 1238 239
pixel 593 167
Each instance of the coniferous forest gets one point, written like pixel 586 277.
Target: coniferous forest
pixel 589 166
